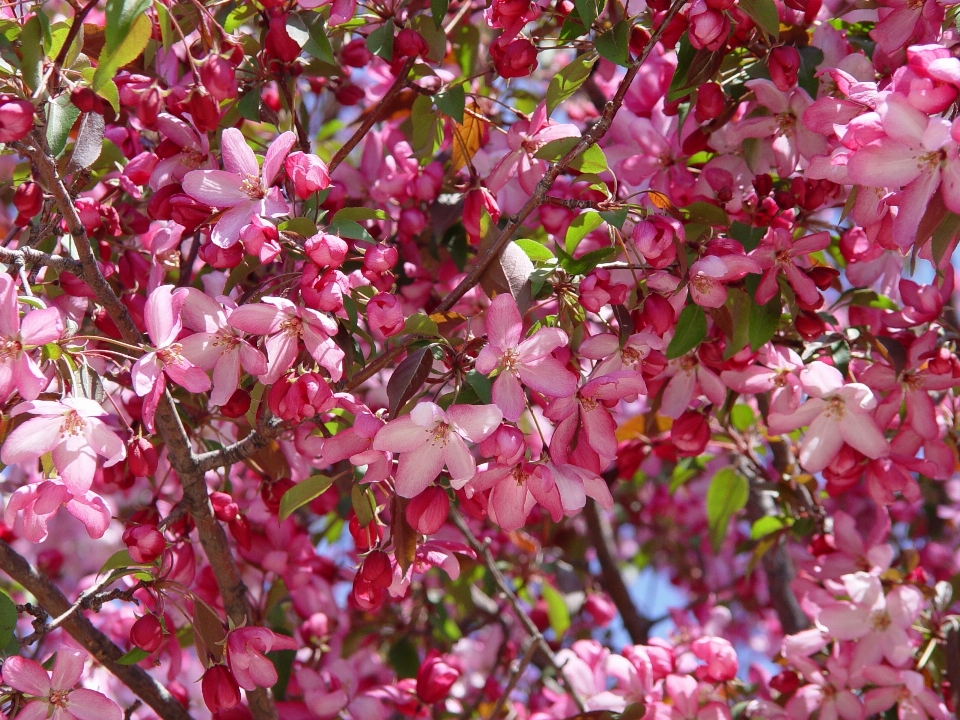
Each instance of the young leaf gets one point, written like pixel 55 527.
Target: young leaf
pixel 380 41
pixel 582 225
pixel 534 250
pixel 8 618
pixel 691 330
pixel 614 44
pixel 408 378
pixel 132 657
pixel 61 116
pixel 728 494
pixel 466 138
pixel 121 17
pixel 452 102
pixel 566 82
pixel 126 51
pixel 764 14
pixel 302 493
pixel 557 612
pixel 764 320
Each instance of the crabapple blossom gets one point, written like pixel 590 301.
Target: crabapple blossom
pixel 245 650
pixel 18 338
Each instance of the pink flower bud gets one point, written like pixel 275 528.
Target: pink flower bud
pixel 380 258
pixel 476 200
pixel 221 258
pixel 364 537
pixel 428 511
pixel 204 110
pixel 355 53
pixel 278 44
pixel 147 633
pixel 708 28
pixel 144 543
pixel 654 239
pixel 261 239
pixel 307 172
pixel 272 493
pixel 307 397
pixel 506 445
pixel 597 290
pixel 220 689
pixel 219 77
pixel 410 43
pixel 237 405
pixel 385 314
pixel 710 102
pixel 148 109
pixel 28 200
pixel 412 222
pixel 50 561
pixel 16 118
pixel 139 168
pixel 142 457
pixel 601 608
pixel 315 628
pixel 326 250
pixel 783 63
pixel 436 676
pixel 377 569
pixel 366 596
pixel 690 434
pixel 657 314
pixel 224 507
pixel 517 59
pixel 719 656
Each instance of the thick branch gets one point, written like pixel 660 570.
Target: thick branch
pixel 603 541
pixel 83 631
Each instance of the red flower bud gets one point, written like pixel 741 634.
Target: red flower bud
pixel 272 492
pixel 428 511
pixel 278 44
pixel 783 63
pixel 349 94
pixel 28 200
pixel 144 543
pixel 148 109
pixel 237 405
pixel 220 689
pixel 142 457
pixel 435 677
pixel 16 118
pixel 366 596
pixel 690 434
pixel 709 28
pixel 84 100
pixel 410 43
pixel 377 569
pixel 50 562
pixel 365 537
pixel 710 102
pixel 189 212
pixel 240 529
pixel 601 608
pixel 147 633
pixel 355 53
pixel 639 37
pixel 204 109
pixel 810 325
pixel 307 172
pixel 517 59
pixel 221 258
pixel 657 313
pixel 763 184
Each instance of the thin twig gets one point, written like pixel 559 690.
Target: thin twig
pixel 515 674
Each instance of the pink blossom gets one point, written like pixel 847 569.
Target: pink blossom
pixel 778 254
pixel 881 624
pixel 194 152
pixel 906 687
pixel 73 432
pixel 689 377
pixel 836 413
pixel 53 695
pixel 162 318
pixel 217 345
pixel 430 439
pixel 41 501
pixel 242 186
pixel 710 274
pixel 778 373
pixel 246 648
pixel 524 139
pixel 18 337
pixel 528 362
pixel 286 324
pixel 827 694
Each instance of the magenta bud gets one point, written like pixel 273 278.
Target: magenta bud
pixel 147 633
pixel 428 511
pixel 144 543
pixel 220 689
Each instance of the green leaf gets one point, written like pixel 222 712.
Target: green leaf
pixel 943 236
pixel 614 44
pixel 420 324
pixel 363 504
pixel 129 48
pixel 534 250
pixel 349 229
pixel 616 218
pixel 435 37
pixel 592 160
pixel 767 525
pixel 588 10
pixel 582 225
pixel 8 619
pixel 746 235
pixel 304 227
pixel 566 82
pixel 685 54
pixel 452 102
pixel 728 494
pixel 585 263
pixel 132 657
pixel 764 320
pixel 691 331
pixel 302 493
pixel 380 41
pixel 311 35
pixel 695 67
pixel 481 386
pixel 742 417
pixel 708 214
pixel 119 559
pixel 122 15
pixel 32 49
pixel 764 14
pixel 403 658
pixel 61 116
pixel 438 8
pixel 557 612
pixel 359 213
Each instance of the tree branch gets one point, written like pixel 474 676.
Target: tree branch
pixel 24 256
pixel 603 541
pixel 82 630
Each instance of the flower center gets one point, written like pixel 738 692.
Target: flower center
pixel 72 424
pixel 931 160
pixel 835 408
pixel 251 186
pixel 10 349
pixel 292 327
pixel 440 433
pixel 783 257
pixel 880 620
pixel 786 123
pixel 58 698
pixel 172 354
pixel 511 360
pixel 226 340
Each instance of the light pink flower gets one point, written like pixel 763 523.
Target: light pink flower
pixel 54 696
pixel 286 324
pixel 242 186
pixel 18 337
pixel 880 623
pixel 906 687
pixel 217 345
pixel 431 439
pixel 778 374
pixel 162 318
pixel 836 413
pixel 194 152
pixel 245 655
pixel 778 254
pixel 528 362
pixel 690 376
pixel 829 695
pixel 524 139
pixel 710 274
pixel 41 501
pixel 73 432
